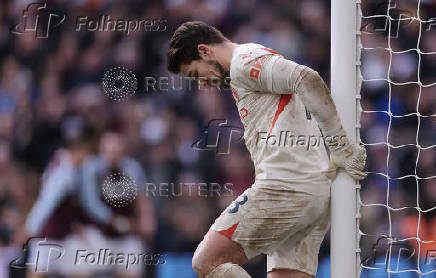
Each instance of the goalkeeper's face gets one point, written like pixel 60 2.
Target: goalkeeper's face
pixel 208 73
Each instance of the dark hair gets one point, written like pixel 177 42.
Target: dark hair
pixel 87 137
pixel 184 42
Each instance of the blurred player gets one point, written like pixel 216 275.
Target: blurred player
pixel 285 214
pixel 57 212
pixel 70 213
pixel 120 229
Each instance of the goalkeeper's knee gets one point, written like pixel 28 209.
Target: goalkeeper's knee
pixel 228 270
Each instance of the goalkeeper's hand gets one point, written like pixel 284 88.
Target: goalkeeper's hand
pixel 347 155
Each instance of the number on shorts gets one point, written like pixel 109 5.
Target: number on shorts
pixel 238 203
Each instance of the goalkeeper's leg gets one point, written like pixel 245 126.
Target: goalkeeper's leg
pixel 219 257
pixel 261 220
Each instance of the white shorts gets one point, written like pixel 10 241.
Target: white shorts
pixel 288 226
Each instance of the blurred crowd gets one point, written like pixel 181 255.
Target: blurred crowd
pixel 61 136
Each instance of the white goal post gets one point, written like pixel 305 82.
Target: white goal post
pixel 345 87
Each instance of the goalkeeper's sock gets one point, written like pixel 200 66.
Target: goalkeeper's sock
pixel 228 270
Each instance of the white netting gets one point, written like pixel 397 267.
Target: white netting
pixel 398 127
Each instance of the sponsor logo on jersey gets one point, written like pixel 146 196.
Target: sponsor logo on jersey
pixel 235 94
pixel 243 113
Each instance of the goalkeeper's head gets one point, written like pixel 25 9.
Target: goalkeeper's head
pixel 202 52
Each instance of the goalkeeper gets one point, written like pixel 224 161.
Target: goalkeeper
pixel 285 214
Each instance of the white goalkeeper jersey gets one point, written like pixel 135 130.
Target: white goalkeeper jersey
pixel 283 139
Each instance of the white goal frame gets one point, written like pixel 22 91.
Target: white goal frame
pixel 345 87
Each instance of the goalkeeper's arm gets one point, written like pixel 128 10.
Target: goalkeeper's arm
pixel 282 76
pixel 316 97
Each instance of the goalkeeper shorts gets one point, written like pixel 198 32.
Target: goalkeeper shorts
pixel 286 225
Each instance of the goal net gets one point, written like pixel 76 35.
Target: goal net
pixel 396 74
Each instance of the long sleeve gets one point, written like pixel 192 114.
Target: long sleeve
pixel 89 194
pixel 58 184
